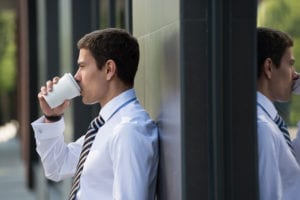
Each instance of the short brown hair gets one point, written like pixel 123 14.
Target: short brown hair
pixel 271 43
pixel 117 45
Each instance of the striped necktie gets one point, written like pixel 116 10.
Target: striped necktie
pixel 88 141
pixel 282 126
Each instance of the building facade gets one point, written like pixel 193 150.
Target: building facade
pixel 196 77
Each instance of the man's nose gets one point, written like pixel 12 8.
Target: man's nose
pixel 76 76
pixel 296 75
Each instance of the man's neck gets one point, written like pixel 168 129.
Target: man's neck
pixel 114 90
pixel 262 87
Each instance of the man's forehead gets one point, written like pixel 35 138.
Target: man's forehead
pixel 289 54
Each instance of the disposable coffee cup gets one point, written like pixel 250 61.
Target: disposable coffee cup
pixel 296 87
pixel 66 89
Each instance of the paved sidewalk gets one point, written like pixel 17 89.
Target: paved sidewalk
pixel 12 174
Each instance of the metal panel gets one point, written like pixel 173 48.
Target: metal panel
pixel 233 112
pixel 52 45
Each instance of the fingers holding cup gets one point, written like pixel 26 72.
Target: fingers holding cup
pixel 61 89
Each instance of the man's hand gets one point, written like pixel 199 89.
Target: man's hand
pixel 59 110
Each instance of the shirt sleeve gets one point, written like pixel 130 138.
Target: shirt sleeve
pixel 134 159
pixel 270 184
pixel 59 159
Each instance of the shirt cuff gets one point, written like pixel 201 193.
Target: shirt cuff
pixel 44 131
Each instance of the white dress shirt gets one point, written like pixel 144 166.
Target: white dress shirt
pixel 279 171
pixel 122 163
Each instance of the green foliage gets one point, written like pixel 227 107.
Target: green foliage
pixel 284 15
pixel 7 51
pixel 273 13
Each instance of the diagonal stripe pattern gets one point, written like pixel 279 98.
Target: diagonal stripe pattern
pixel 87 144
pixel 282 126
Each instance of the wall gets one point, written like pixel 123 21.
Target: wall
pixel 156 24
pixel 193 57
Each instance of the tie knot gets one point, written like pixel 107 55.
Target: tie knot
pixel 279 121
pixel 97 122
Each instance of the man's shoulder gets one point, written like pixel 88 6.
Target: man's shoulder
pixel 266 128
pixel 134 129
pixel 135 112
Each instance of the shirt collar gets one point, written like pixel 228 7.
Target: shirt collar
pixel 266 105
pixel 116 103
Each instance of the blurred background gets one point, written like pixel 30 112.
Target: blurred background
pixel 8 52
pixel 190 72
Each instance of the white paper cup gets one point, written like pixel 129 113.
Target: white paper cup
pixel 66 88
pixel 296 87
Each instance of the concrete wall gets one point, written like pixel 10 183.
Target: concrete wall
pixel 156 24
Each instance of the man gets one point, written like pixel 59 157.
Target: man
pixel 279 171
pixel 119 159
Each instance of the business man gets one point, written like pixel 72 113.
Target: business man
pixel 118 156
pixel 279 171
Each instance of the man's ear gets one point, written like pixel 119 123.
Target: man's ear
pixel 111 69
pixel 268 68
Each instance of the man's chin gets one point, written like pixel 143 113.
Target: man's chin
pixel 89 102
pixel 284 100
